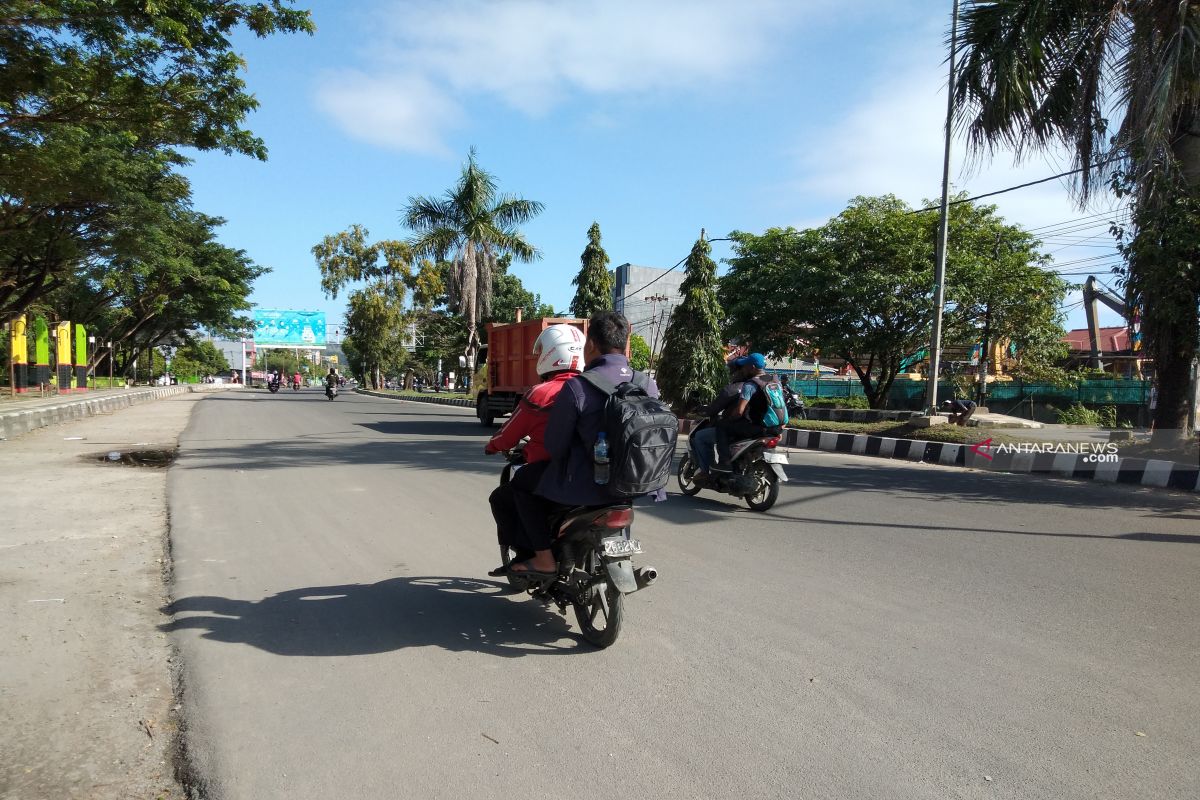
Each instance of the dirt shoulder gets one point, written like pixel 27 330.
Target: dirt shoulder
pixel 86 703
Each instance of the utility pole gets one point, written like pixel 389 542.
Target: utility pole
pixel 939 290
pixel 656 321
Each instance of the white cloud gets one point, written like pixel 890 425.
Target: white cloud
pixel 405 112
pixel 426 59
pixel 891 141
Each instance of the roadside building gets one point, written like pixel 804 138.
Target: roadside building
pixel 646 296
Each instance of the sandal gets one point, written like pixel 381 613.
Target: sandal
pixel 528 571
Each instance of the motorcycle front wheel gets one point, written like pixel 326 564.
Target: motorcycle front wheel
pixel 767 491
pixel 601 608
pixel 687 470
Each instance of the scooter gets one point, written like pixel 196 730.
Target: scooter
pixel 273 385
pixel 794 401
pixel 595 566
pixel 755 474
pixel 331 390
pixel 295 386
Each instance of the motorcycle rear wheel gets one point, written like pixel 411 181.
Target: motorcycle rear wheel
pixel 602 609
pixel 768 488
pixel 687 470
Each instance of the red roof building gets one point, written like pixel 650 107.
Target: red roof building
pixel 1112 340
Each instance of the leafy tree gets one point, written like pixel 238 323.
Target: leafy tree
pixel 477 225
pixel 510 294
pixel 1039 74
pixel 639 353
pixel 692 369
pixel 594 281
pixel 199 358
pixel 166 72
pixel 375 318
pixel 858 288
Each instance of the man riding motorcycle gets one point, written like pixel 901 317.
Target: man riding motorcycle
pixel 560 353
pixel 705 439
pixel 743 420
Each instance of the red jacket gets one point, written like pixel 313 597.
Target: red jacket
pixel 529 419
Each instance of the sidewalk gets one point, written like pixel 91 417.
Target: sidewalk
pixel 85 675
pixel 21 416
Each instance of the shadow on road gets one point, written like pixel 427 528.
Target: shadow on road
pixel 457 614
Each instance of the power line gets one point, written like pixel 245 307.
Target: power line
pixel 1014 188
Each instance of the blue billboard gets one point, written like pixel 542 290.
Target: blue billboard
pixel 274 327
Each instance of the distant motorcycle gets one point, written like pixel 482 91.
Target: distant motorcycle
pixel 794 401
pixel 331 391
pixel 755 475
pixel 295 386
pixel 273 385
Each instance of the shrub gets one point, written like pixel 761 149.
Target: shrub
pixel 1080 415
pixel 856 401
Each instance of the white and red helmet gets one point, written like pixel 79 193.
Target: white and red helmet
pixel 558 348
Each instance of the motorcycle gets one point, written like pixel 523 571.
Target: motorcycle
pixel 757 471
pixel 794 401
pixel 295 386
pixel 595 567
pixel 331 390
pixel 273 385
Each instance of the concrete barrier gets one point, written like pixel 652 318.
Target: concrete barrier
pixel 461 402
pixel 17 421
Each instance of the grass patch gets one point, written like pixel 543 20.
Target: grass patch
pixel 412 393
pixel 1188 455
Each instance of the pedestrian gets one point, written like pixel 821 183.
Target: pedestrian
pixel 960 410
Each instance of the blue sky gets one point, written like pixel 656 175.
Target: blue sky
pixel 653 118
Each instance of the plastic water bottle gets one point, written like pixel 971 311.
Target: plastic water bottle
pixel 600 458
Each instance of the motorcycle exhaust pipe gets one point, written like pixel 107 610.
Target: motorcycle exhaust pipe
pixel 644 576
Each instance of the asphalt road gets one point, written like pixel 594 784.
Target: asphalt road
pixel 889 630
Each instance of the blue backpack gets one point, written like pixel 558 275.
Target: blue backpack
pixel 768 408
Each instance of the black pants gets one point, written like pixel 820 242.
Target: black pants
pixel 522 517
pixel 729 431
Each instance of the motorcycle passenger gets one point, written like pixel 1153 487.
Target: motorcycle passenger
pixel 705 439
pixel 744 420
pixel 559 351
pixel 575 420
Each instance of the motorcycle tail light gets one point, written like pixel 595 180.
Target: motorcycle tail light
pixel 617 518
pixel 772 442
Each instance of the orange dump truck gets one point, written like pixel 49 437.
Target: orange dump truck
pixel 511 365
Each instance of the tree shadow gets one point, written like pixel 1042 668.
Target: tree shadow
pixel 456 614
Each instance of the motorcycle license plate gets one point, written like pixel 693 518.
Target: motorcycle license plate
pixel 775 458
pixel 621 546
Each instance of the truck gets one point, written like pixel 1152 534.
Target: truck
pixel 511 365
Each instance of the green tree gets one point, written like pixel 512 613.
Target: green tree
pixel 1038 74
pixel 639 353
pixel 692 368
pixel 594 282
pixel 165 72
pixel 858 288
pixel 375 318
pixel 478 225
pixel 199 358
pixel 509 294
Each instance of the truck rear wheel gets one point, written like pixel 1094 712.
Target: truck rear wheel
pixel 484 412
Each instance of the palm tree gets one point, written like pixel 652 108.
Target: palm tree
pixel 477 225
pixel 1040 73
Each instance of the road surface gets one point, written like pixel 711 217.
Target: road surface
pixel 889 630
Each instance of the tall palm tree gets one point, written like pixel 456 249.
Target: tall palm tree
pixel 476 224
pixel 1040 73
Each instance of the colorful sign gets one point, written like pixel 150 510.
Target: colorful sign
pixel 286 328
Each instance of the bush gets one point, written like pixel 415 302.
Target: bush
pixel 856 401
pixel 1080 415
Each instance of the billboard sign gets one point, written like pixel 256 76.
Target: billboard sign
pixel 275 327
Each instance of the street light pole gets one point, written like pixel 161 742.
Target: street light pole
pixel 939 291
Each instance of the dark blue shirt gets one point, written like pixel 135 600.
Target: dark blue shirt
pixel 575 419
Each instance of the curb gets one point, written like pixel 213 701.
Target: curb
pixel 1134 471
pixel 18 422
pixel 434 400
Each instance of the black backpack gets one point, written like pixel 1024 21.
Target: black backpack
pixel 641 432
